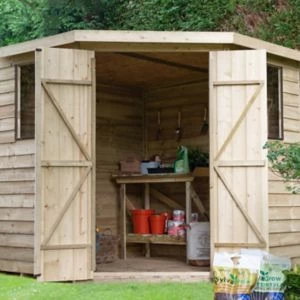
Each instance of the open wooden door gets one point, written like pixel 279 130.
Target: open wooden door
pixel 238 131
pixel 65 164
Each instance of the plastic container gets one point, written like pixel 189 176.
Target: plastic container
pixel 168 216
pixel 176 228
pixel 145 165
pixel 140 219
pixel 178 215
pixel 157 224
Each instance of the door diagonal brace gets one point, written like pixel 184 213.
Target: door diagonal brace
pixel 239 121
pixel 65 120
pixel 66 206
pixel 241 207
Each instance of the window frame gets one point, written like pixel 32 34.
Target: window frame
pixel 280 136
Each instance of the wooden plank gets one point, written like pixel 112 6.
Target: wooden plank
pixel 16 240
pixel 7 99
pixel 7 111
pixel 290 74
pixel 16 254
pixel 123 220
pixel 94 158
pixel 17 201
pixel 39 108
pixel 17 187
pixel 284 213
pixel 290 100
pixel 278 187
pixel 70 81
pixel 165 199
pixel 237 82
pixel 155 239
pixel 291 137
pixel 16 214
pixel 157 178
pixel 291 125
pixel 291 113
pixel 240 245
pixel 8 175
pixel 7 73
pixel 284 226
pixel 20 161
pixel 66 163
pixel 241 163
pixel 16 227
pixel 66 246
pixel 284 200
pixel 286 251
pixel 188 204
pixel 284 239
pixel 290 87
pixel 7 86
pixel 147 206
pixel 16 266
pixel 7 137
pixel 23 147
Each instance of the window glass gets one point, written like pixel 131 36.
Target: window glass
pixel 27 102
pixel 274 94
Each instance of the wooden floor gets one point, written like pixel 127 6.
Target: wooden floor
pixel 151 270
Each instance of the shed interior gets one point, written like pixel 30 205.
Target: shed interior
pixel 136 92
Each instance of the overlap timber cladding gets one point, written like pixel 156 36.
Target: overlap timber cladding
pixel 17 183
pixel 284 207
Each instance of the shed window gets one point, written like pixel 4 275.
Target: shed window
pixel 275 111
pixel 25 102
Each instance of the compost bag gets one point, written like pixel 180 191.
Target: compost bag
pixel 235 276
pixel 269 284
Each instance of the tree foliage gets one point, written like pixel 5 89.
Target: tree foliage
pixel 272 20
pixel 285 161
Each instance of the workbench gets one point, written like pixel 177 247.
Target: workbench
pixel 146 180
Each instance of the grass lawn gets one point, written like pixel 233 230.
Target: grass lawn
pixel 23 288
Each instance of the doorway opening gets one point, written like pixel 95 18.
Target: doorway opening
pixel 142 101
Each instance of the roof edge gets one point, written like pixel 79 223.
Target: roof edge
pixel 168 37
pixel 149 37
pixel 250 42
pixel 29 46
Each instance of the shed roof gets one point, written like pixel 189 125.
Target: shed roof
pixel 131 38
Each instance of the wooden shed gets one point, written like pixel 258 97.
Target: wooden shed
pixel 75 104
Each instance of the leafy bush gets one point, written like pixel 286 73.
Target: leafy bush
pixel 292 284
pixel 285 161
pixel 197 158
pixel 272 20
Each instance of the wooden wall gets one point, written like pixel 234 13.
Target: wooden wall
pixel 17 188
pixel 17 179
pixel 284 207
pixel 119 135
pixel 191 100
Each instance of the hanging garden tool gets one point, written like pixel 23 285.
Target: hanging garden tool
pixel 179 130
pixel 204 128
pixel 159 129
